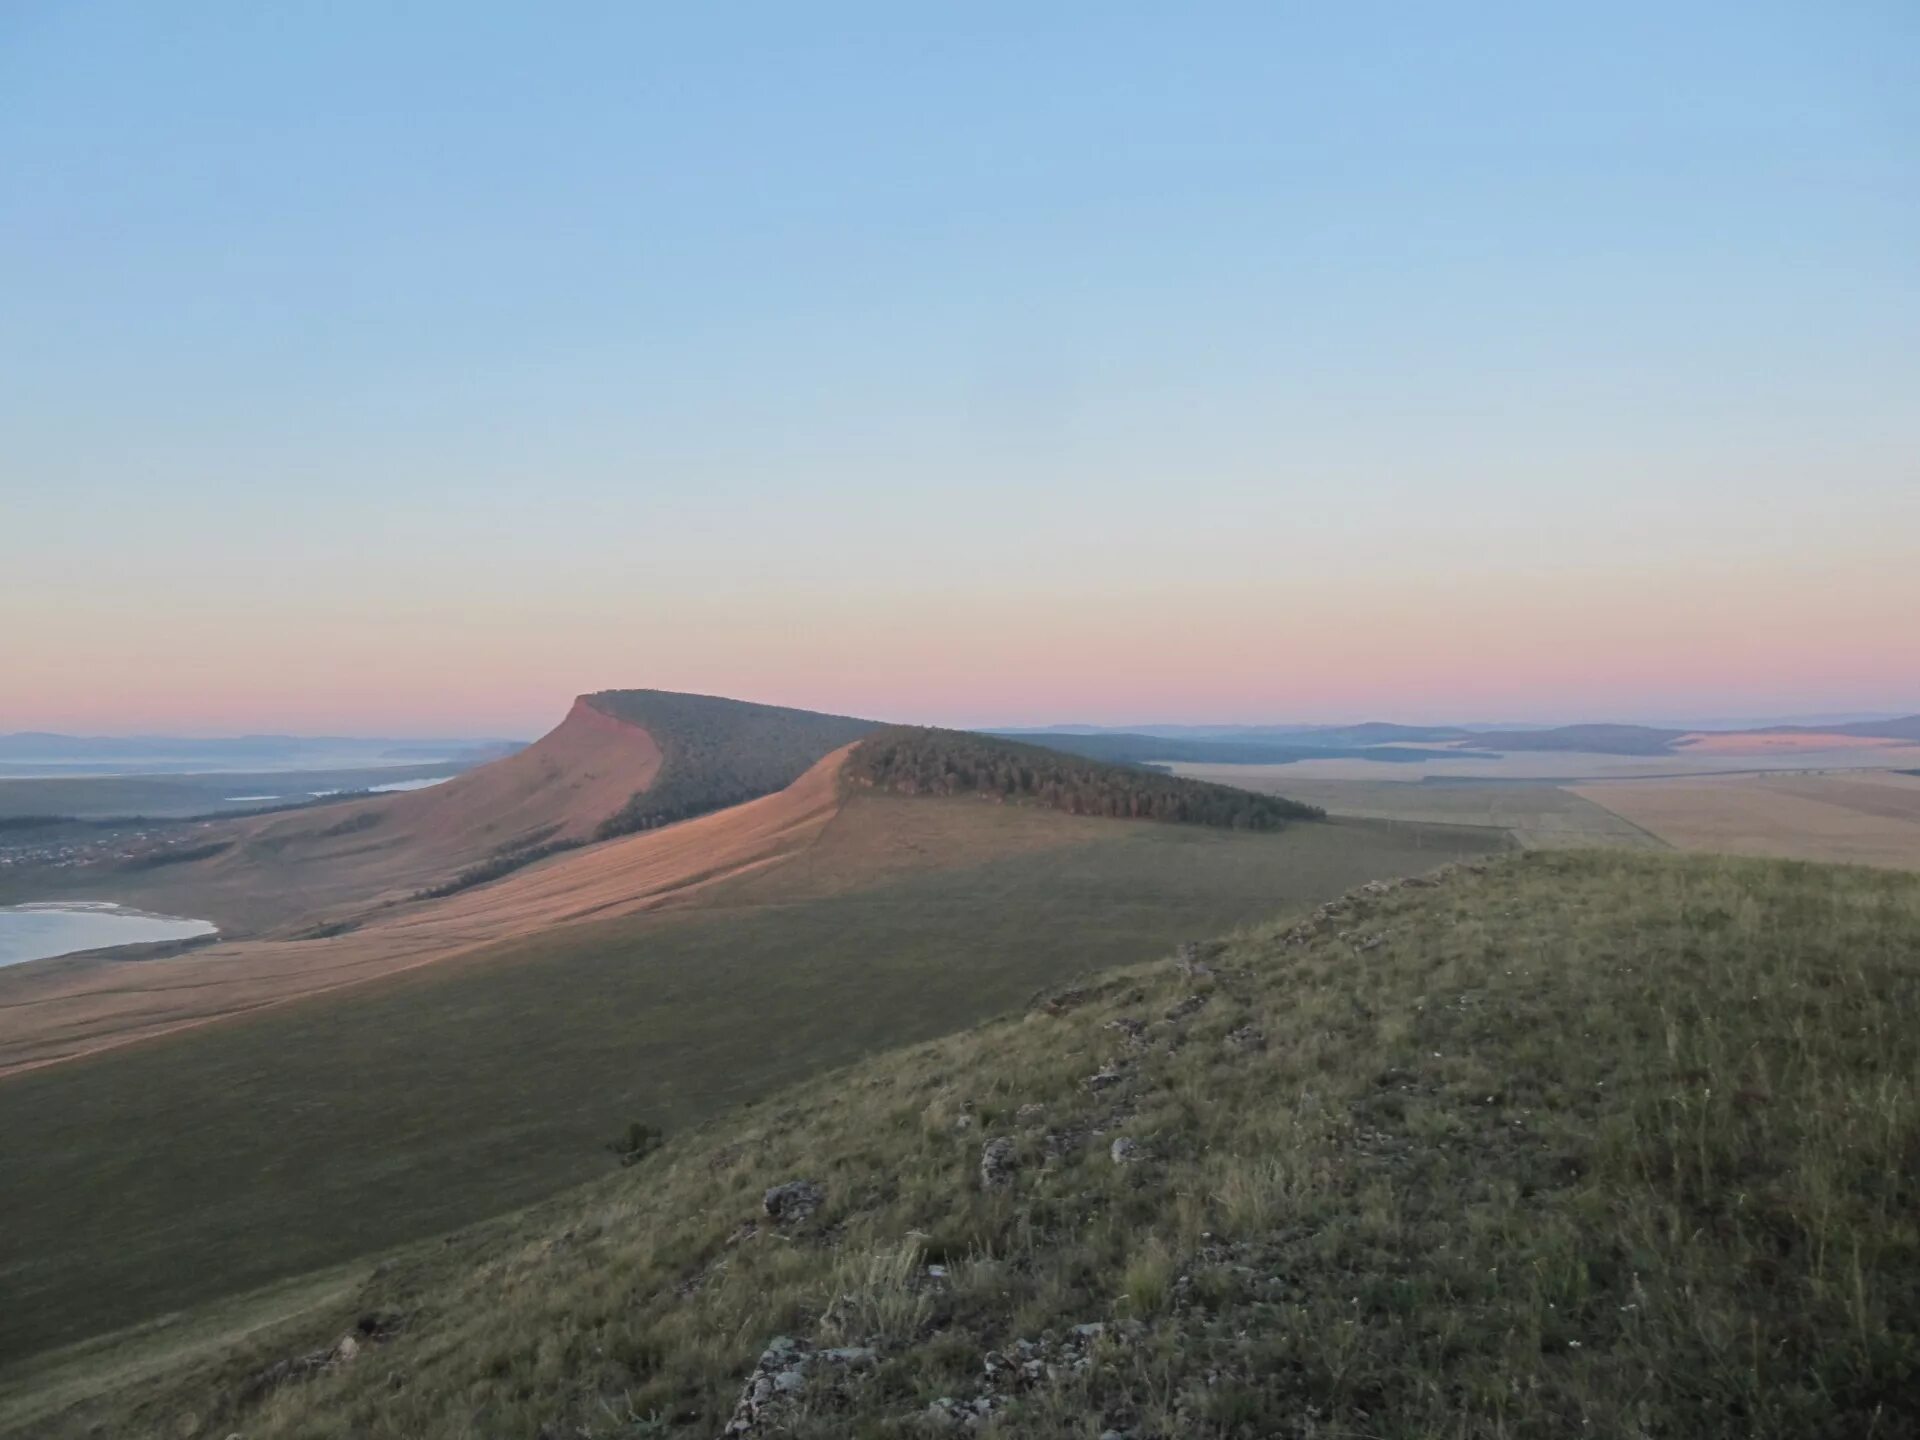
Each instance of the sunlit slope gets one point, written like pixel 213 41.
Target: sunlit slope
pixel 333 896
pixel 1587 1142
pixel 622 760
pixel 59 1012
pixel 330 863
pixel 319 1130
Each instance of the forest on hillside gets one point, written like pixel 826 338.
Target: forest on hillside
pixel 914 761
pixel 716 753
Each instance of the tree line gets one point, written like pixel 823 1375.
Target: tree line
pixel 918 761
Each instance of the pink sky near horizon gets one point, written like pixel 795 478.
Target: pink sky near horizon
pixel 1553 646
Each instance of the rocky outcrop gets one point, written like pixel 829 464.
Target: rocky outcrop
pixel 794 1201
pixel 997 1164
pixel 788 1370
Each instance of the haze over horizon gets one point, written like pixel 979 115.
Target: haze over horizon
pixel 996 367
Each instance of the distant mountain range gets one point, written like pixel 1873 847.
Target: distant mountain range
pixel 1280 744
pixel 32 752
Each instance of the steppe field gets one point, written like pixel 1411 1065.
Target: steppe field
pixel 1538 815
pixel 1869 817
pixel 1797 804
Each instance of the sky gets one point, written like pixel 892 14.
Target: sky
pixel 410 368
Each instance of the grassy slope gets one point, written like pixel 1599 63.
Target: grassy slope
pixel 177 1170
pixel 1592 1143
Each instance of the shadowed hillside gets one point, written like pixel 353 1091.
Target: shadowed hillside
pixel 716 752
pixel 1603 1143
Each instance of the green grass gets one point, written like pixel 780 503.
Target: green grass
pixel 150 1178
pixel 1594 1143
pixel 1539 815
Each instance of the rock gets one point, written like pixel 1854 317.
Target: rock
pixel 1125 1151
pixel 378 1325
pixel 793 1202
pixel 778 1377
pixel 1185 1008
pixel 1247 1037
pixel 997 1164
pixel 1063 1001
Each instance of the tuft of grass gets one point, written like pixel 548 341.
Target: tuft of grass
pixel 1148 1281
pixel 879 1295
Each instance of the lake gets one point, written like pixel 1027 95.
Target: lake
pixel 39 931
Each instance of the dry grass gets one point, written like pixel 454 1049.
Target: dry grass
pixel 155 1176
pixel 1571 766
pixel 1595 1143
pixel 1864 818
pixel 1538 816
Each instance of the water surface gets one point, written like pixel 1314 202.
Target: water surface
pixel 39 931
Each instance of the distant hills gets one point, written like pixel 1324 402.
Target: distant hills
pixel 38 752
pixel 1124 748
pixel 1284 744
pixel 27 753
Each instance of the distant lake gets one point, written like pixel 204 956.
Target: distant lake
pixel 37 932
pixel 390 788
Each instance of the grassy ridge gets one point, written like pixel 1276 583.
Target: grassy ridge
pixel 175 1171
pixel 716 752
pixel 1584 1143
pixel 912 760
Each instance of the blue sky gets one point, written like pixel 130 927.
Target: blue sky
pixel 348 349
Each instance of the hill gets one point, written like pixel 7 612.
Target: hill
pixel 1593 739
pixel 283 874
pixel 453 1056
pixel 1906 728
pixel 1602 1143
